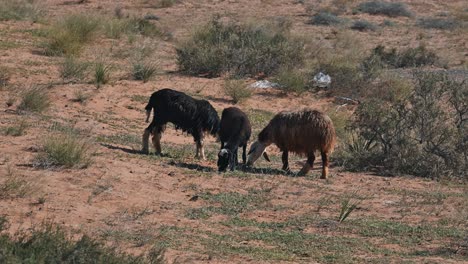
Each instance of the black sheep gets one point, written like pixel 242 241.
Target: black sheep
pixel 193 116
pixel 235 130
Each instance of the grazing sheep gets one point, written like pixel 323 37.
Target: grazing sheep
pixel 196 117
pixel 302 132
pixel 234 131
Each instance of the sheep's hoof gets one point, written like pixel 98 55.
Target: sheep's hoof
pixel 145 151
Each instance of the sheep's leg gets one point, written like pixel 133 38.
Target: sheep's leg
pixel 234 161
pixel 222 144
pixel 200 150
pixel 157 141
pixel 309 164
pixel 146 135
pixel 324 165
pixel 244 157
pixel 284 158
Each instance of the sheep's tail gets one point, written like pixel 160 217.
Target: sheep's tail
pixel 329 138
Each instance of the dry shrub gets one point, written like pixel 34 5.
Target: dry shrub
pixel 241 50
pixel 237 90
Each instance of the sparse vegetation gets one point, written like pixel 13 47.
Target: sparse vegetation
pixel 64 150
pixel 73 70
pixel 18 129
pixel 363 25
pixel 80 96
pixel 324 18
pixel 391 9
pixel 237 90
pixel 68 35
pixel 20 10
pixel 438 23
pixel 51 244
pixel 240 50
pixel 14 185
pixel 34 99
pixel 4 77
pixel 101 73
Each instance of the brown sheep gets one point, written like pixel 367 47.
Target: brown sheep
pixel 302 132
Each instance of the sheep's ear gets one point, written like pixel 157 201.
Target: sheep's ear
pixel 265 155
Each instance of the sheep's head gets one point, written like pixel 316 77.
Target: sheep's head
pixel 224 157
pixel 256 150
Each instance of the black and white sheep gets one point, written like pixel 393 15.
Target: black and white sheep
pixel 302 132
pixel 193 116
pixel 234 131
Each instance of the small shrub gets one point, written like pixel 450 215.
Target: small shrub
pixel 237 90
pixel 17 130
pixel 73 70
pixel 20 10
pixel 347 78
pixel 291 80
pixel 165 3
pixel 143 27
pixel 438 23
pixel 325 19
pixel 241 50
pixel 80 96
pixel 411 57
pixel 101 73
pixel 34 99
pixel 143 71
pixel 388 23
pixel 390 9
pixel 66 150
pixel 363 25
pixel 114 28
pixel 67 36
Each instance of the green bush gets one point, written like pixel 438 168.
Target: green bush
pixel 438 23
pixel 51 244
pixel 390 9
pixel 237 90
pixel 292 80
pixel 423 134
pixel 411 57
pixel 20 10
pixel 363 25
pixel 325 19
pixel 64 150
pixel 34 99
pixel 241 50
pixel 68 35
pixel 73 70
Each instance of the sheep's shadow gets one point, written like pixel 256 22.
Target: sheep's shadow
pixel 191 166
pixel 126 150
pixel 268 171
